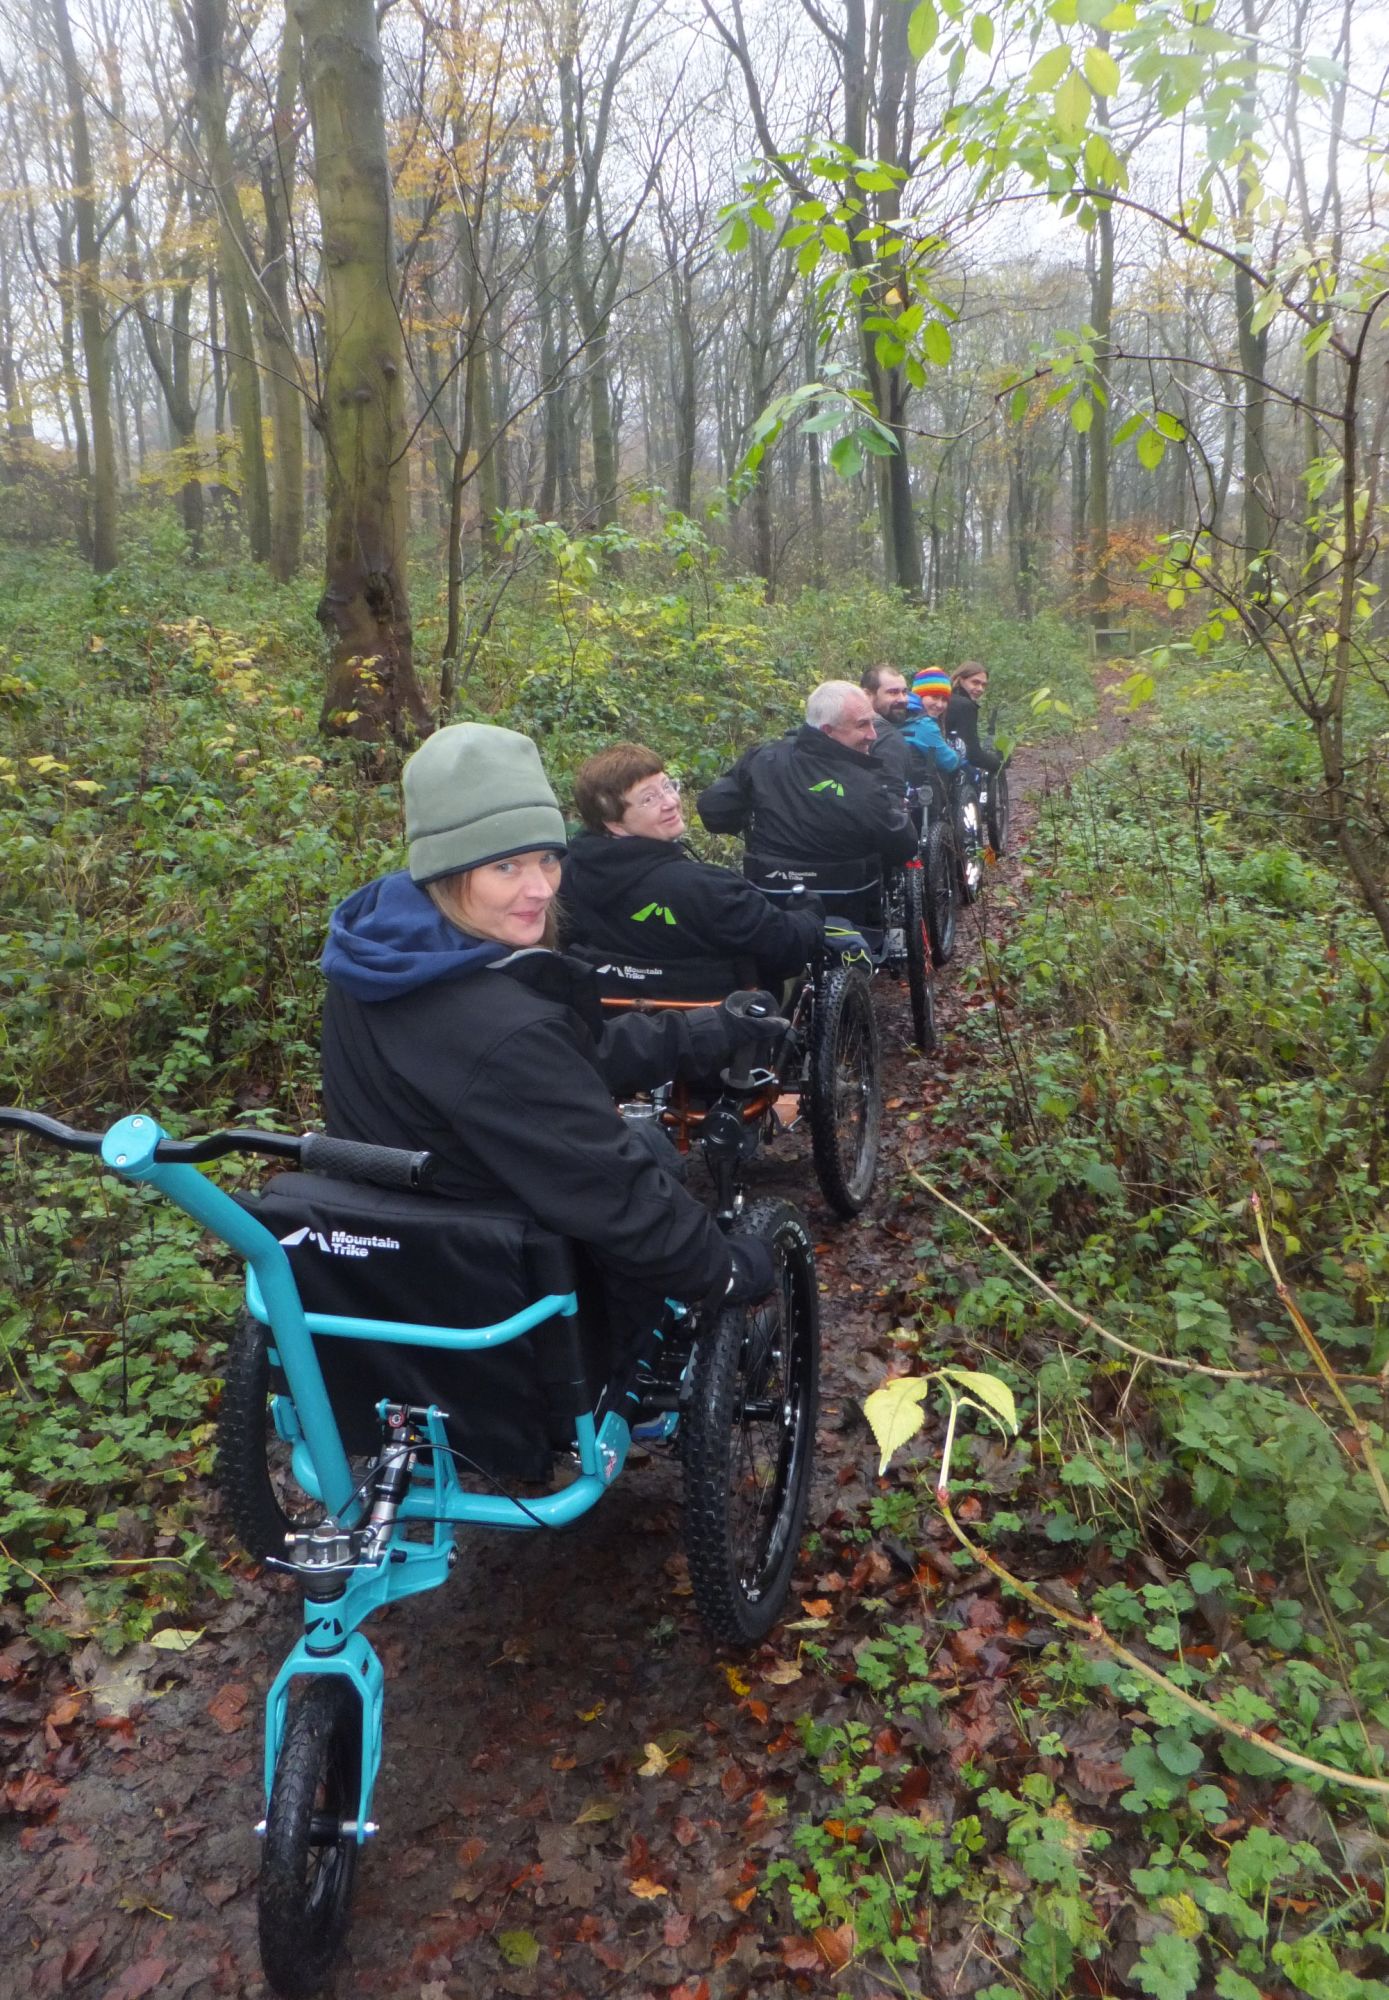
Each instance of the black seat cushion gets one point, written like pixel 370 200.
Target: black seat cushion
pixel 689 981
pixel 850 890
pixel 369 1253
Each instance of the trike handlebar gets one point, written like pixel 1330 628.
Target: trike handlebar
pixel 342 1159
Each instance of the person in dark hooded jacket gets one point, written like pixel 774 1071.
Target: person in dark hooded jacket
pixel 450 1024
pixel 819 794
pixel 630 886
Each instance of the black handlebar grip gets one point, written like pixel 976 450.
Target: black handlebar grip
pixel 379 1166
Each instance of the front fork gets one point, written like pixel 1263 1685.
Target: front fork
pixel 346 1574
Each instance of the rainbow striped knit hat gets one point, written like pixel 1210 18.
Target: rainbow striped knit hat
pixel 931 682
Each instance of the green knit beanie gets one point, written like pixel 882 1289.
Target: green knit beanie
pixel 473 794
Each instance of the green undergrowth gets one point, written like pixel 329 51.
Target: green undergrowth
pixel 1185 1007
pixel 173 835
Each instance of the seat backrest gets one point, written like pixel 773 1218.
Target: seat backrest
pixel 687 981
pixel 368 1253
pixel 848 889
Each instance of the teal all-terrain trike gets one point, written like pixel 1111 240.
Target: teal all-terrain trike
pixel 362 1426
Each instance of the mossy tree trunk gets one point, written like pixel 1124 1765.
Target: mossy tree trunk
pixel 96 358
pixel 372 692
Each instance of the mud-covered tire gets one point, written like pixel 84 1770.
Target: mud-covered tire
pixel 999 811
pixel 968 831
pixel 846 1099
pixel 252 1466
pixel 942 895
pixel 307 1864
pixel 748 1436
pixel 918 952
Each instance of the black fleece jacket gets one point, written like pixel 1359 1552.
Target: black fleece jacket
pixel 962 720
pixel 651 899
pixel 504 1067
pixel 809 798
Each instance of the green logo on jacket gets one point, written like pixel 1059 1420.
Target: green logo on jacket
pixel 653 910
pixel 829 785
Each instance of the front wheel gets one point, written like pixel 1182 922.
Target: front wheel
pixel 938 864
pixel 749 1437
pixel 969 842
pixel 308 1862
pixel 846 1100
pixel 999 811
pixel 918 947
pixel 254 1466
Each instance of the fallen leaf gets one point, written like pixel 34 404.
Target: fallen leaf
pixel 228 1707
pixel 657 1763
pixel 836 1947
pixel 138 1979
pixel 739 1684
pixel 816 1607
pixel 676 1929
pixel 783 1673
pixel 595 1810
pixel 519 1947
pixel 648 1890
pixel 176 1638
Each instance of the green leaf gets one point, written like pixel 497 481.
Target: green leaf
pixel 1232 1985
pixel 937 344
pixel 1049 69
pixel 519 1947
pixel 1082 416
pixel 733 234
pixel 1072 104
pixel 922 29
pixel 981 30
pixel 1170 426
pixel 1168 1968
pixel 1101 71
pixel 808 256
pixel 1017 403
pixel 894 1412
pixel 836 239
pixel 846 457
pixel 989 1390
pixel 1152 449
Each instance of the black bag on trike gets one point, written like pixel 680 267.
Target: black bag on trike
pixel 360 1252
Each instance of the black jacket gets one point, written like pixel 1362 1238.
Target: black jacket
pixel 962 719
pixel 504 1067
pixel 652 899
pixel 808 798
pixel 890 749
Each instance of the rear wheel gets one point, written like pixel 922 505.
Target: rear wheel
pixel 938 863
pixel 969 841
pixel 254 1467
pixel 999 811
pixel 307 1862
pixel 749 1437
pixel 918 949
pixel 846 1104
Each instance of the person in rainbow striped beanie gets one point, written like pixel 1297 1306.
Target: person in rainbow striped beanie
pixel 931 686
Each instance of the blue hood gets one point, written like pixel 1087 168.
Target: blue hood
pixel 388 939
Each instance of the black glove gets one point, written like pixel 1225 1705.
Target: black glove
pixel 752 1016
pixel 754 1271
pixel 848 945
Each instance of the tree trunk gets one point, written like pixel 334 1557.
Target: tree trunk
pixel 95 355
pixel 372 691
pixel 276 324
pixel 203 50
pixel 1097 512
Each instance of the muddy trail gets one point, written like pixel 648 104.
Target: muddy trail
pixel 579 1793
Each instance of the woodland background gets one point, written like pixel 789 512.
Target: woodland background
pixel 612 370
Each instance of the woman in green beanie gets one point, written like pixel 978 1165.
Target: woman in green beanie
pixel 451 1023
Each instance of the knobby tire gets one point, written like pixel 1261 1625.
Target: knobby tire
pixel 846 1101
pixel 307 1864
pixel 748 1440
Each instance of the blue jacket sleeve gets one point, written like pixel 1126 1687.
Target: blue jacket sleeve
pixel 924 734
